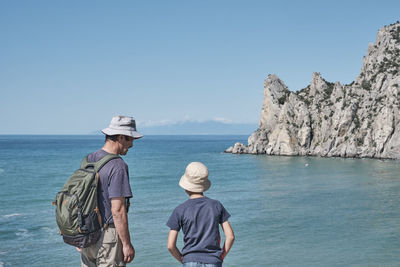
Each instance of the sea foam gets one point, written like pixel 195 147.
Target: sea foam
pixel 23 233
pixel 12 215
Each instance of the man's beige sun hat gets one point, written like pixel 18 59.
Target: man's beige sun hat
pixel 122 125
pixel 195 178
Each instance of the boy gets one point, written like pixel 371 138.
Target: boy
pixel 199 217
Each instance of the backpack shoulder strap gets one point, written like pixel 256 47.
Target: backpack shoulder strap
pixel 85 163
pixel 97 165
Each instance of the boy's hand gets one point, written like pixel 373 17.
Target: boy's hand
pixel 223 254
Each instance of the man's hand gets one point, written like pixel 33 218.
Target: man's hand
pixel 129 253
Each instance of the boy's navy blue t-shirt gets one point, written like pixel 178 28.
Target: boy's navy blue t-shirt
pixel 199 219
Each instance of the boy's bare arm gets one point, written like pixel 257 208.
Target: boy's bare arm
pixel 173 235
pixel 229 238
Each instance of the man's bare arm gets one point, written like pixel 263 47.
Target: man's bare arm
pixel 120 218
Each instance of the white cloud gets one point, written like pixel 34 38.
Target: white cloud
pixel 151 123
pixel 167 122
pixel 223 120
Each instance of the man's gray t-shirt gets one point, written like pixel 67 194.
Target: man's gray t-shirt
pixel 199 219
pixel 114 183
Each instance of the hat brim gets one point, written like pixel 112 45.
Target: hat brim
pixel 195 188
pixel 110 131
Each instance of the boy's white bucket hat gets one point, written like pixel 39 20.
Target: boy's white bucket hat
pixel 195 178
pixel 122 125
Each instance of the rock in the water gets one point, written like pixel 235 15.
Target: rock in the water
pixel 361 119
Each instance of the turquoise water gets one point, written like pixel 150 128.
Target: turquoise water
pixel 286 211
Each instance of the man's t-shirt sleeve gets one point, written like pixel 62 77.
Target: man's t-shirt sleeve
pixel 119 184
pixel 173 221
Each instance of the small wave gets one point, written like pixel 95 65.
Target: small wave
pixel 1 170
pixel 12 215
pixel 23 233
pixel 1 264
pixel 49 230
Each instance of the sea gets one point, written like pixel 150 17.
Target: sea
pixel 285 211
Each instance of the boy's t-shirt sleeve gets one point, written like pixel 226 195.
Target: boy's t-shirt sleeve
pixel 224 214
pixel 173 221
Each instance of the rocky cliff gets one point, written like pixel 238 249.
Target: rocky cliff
pixel 361 119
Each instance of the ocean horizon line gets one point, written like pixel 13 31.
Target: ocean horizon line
pixel 91 134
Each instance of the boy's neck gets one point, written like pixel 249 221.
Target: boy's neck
pixel 193 195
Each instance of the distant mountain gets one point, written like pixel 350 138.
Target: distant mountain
pixel 200 128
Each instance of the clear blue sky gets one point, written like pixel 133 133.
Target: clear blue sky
pixel 66 67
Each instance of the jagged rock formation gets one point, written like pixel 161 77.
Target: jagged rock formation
pixel 361 119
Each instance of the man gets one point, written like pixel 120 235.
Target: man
pixel 114 247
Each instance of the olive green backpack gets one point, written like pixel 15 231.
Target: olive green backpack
pixel 77 213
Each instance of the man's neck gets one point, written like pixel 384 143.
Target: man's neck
pixel 110 147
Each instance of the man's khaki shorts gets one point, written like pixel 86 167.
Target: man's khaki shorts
pixel 106 252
